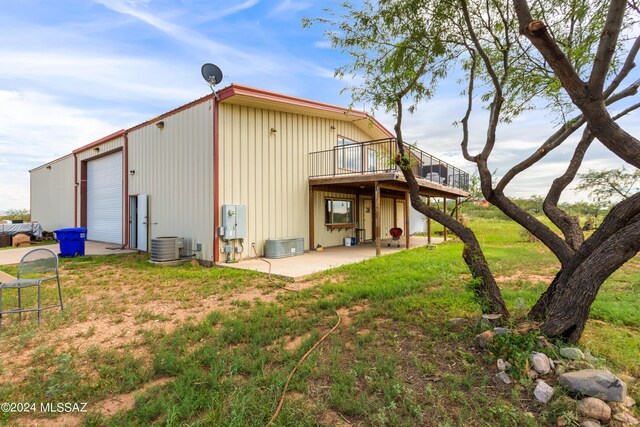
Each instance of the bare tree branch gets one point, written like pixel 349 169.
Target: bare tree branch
pixel 628 65
pixel 607 46
pixel 568 225
pixel 552 142
pixel 590 104
pixel 465 119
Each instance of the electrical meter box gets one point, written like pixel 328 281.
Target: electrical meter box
pixel 234 222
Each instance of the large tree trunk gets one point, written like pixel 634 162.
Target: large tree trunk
pixel 569 309
pixel 614 230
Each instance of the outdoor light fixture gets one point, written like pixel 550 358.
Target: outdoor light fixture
pixel 333 127
pixel 49 167
pixel 160 125
pixel 132 172
pixel 274 130
pixel 96 150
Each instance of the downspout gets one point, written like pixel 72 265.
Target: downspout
pixel 216 182
pixel 125 183
pixel 75 189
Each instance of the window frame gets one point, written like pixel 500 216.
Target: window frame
pixel 329 212
pixel 349 156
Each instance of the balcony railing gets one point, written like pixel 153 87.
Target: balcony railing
pixel 379 156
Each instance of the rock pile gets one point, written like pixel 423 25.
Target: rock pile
pixel 601 396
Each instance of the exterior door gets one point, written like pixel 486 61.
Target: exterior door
pixel 367 207
pixel 133 222
pixel 104 199
pixel 143 223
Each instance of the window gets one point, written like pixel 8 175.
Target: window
pixel 338 211
pixel 349 155
pixel 372 160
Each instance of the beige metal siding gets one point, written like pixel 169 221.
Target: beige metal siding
pixel 386 222
pixel 174 167
pixel 105 147
pixel 322 236
pixel 52 194
pixel 268 171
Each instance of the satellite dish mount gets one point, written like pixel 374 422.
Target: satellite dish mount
pixel 212 74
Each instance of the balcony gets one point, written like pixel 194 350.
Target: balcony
pixel 377 158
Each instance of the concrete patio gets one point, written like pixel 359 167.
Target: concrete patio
pixel 298 267
pixel 13 256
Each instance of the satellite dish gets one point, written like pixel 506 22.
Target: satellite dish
pixel 212 74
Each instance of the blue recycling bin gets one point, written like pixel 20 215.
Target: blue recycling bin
pixel 71 241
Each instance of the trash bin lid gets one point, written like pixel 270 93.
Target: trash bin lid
pixel 76 229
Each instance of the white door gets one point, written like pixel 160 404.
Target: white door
pixel 104 199
pixel 142 225
pixel 368 219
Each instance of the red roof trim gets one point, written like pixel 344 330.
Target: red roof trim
pixel 100 141
pixel 240 90
pixel 236 89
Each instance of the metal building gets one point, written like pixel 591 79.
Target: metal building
pixel 288 167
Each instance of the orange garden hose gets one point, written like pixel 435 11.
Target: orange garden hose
pixel 295 368
pixel 286 385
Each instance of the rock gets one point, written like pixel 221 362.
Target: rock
pixel 576 365
pixel 629 402
pixel 502 331
pixel 492 319
pixel 482 340
pixel 504 377
pixel 532 374
pixel 457 320
pixel 562 421
pixel 543 392
pixel 590 423
pixel 502 365
pixel 592 407
pixel 595 383
pixel 572 353
pixel 625 419
pixel 627 378
pixel 540 363
pixel 543 341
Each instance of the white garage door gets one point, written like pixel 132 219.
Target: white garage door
pixel 104 199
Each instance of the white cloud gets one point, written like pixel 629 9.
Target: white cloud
pixel 35 129
pixel 289 7
pixel 322 44
pixel 99 75
pixel 234 60
pixel 218 14
pixel 431 127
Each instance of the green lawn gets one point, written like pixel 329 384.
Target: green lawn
pixel 226 340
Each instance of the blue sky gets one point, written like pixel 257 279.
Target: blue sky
pixel 72 72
